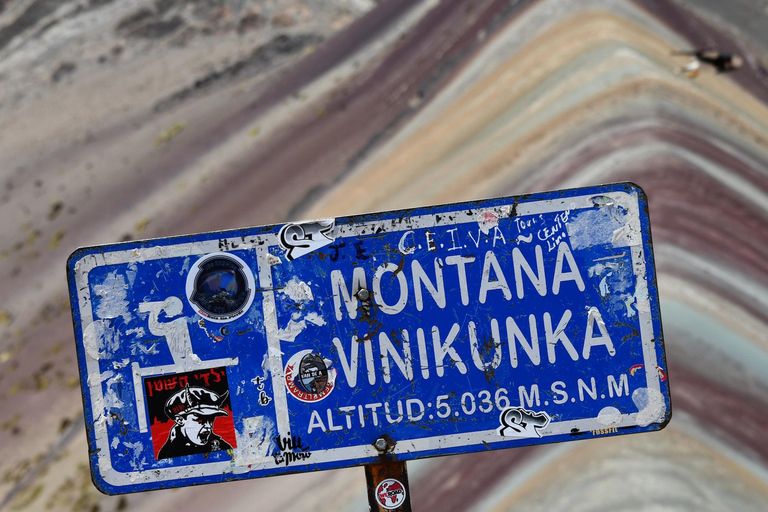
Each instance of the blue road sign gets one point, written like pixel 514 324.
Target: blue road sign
pixel 437 330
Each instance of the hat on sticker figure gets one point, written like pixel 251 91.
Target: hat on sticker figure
pixel 194 409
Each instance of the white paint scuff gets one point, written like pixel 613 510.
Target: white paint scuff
pixel 609 417
pixel 138 331
pixel 137 454
pixel 641 296
pixel 650 404
pixel 112 293
pixel 99 340
pixel 131 273
pixel 615 280
pixel 604 226
pixel 255 442
pixel 297 325
pixel 185 267
pixel 111 399
pixel 486 221
pixel 96 379
pixel 589 228
pixel 297 290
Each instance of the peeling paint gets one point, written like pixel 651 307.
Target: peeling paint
pixel 297 325
pixel 609 417
pixel 486 221
pixel 99 340
pixel 255 442
pixel 415 266
pixel 297 290
pixel 185 267
pixel 641 297
pixel 131 272
pixel 137 455
pixel 593 227
pixel 650 404
pixel 111 398
pixel 112 293
pixel 138 332
pixel 97 378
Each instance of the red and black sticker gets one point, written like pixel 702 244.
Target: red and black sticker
pixel 190 413
pixel 390 493
pixel 308 376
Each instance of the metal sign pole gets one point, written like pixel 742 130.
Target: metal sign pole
pixel 388 488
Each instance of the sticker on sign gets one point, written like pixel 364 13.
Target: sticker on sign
pixel 443 330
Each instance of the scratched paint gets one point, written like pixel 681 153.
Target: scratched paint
pixel 616 111
pixel 393 324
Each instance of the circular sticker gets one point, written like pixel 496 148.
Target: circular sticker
pixel 390 493
pixel 220 287
pixel 308 376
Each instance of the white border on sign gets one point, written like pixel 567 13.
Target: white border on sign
pixel 260 245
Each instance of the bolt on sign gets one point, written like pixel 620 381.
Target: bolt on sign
pixel 440 330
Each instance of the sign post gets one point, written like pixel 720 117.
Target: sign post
pixel 369 340
pixel 388 487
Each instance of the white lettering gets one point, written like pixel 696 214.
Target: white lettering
pixel 615 388
pixel 361 415
pixel 399 412
pixel 431 246
pixel 604 339
pixel 514 334
pixel 486 284
pixel 331 426
pixel 558 335
pixel 411 415
pixel 403 298
pixel 592 392
pixel 340 291
pixel 315 422
pixel 443 349
pixel 537 280
pixel 498 235
pixel 420 278
pixel 368 349
pixel 348 365
pixel 529 400
pixel 475 347
pixel 460 262
pixel 564 253
pixel 347 411
pixel 373 408
pixel 404 247
pixel 558 388
pixel 455 244
pixel 423 357
pixel 387 350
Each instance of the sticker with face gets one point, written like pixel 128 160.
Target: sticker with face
pixel 308 376
pixel 220 286
pixel 190 413
pixel 197 429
